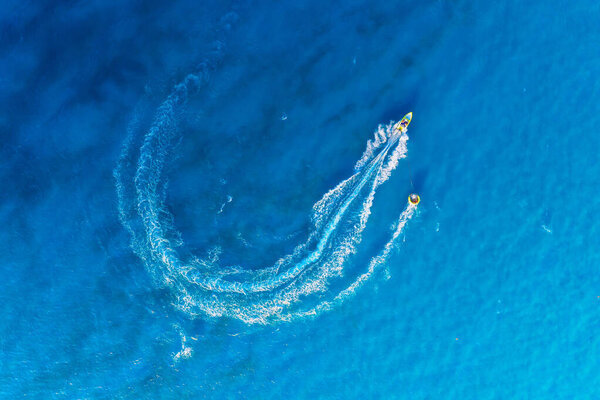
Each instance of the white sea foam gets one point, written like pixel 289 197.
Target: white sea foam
pixel 297 284
pixel 381 136
pixel 185 351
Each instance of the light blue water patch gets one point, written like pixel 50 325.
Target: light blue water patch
pixel 490 290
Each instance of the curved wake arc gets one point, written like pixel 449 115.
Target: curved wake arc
pixel 297 285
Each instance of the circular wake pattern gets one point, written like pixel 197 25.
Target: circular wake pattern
pixel 298 284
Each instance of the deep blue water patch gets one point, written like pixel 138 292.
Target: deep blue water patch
pixel 490 291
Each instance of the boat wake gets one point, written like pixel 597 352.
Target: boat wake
pixel 297 285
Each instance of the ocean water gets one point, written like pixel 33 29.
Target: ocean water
pixel 209 200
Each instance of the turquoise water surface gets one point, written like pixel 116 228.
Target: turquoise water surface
pixel 209 200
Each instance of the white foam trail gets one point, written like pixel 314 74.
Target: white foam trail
pixel 381 136
pixel 200 285
pixel 374 264
pixel 185 351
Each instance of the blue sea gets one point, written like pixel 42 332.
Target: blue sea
pixel 208 200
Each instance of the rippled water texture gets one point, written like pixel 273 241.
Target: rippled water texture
pixel 208 200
